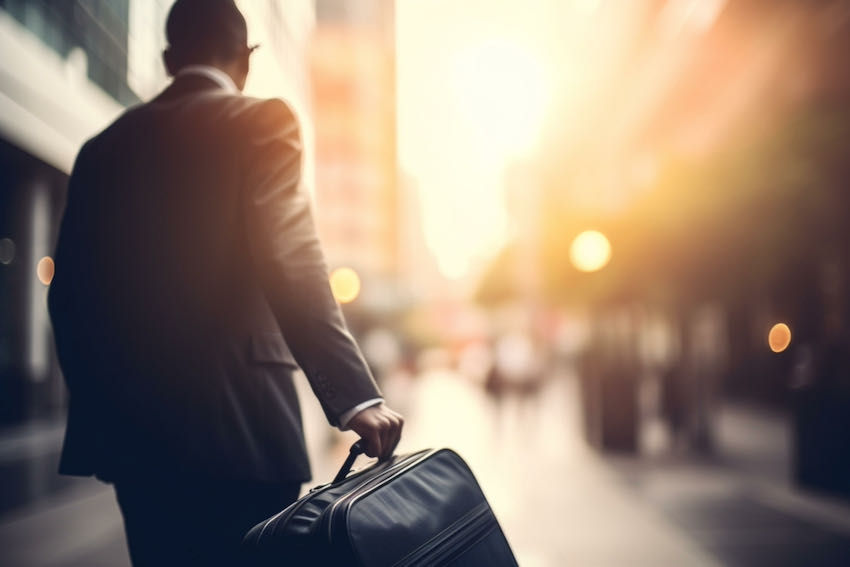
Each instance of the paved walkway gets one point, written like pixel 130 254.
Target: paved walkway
pixel 559 502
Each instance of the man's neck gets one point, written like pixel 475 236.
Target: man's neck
pixel 213 73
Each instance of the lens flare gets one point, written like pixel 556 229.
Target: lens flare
pixel 7 251
pixel 345 284
pixel 590 251
pixel 779 337
pixel 45 270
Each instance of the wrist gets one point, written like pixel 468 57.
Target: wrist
pixel 347 416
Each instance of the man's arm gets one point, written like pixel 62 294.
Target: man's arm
pixel 288 258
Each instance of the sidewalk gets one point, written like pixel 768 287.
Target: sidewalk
pixel 50 520
pixel 559 502
pixel 79 527
pixel 739 504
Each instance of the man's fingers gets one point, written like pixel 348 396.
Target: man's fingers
pixel 380 429
pixel 384 439
pixel 372 445
pixel 398 425
pixel 387 433
pixel 392 433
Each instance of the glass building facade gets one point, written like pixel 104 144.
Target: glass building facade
pixel 97 29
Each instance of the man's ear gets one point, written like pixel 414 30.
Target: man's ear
pixel 243 67
pixel 168 60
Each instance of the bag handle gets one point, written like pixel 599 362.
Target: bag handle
pixel 355 450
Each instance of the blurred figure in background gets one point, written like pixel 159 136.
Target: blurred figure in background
pixel 189 287
pixel 517 371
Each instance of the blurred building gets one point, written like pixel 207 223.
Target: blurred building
pixel 419 278
pixel 707 139
pixel 65 74
pixel 352 62
pixel 68 69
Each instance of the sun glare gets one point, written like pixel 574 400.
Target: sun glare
pixel 590 251
pixel 469 106
pixel 501 93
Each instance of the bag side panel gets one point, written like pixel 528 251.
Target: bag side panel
pixel 295 535
pixel 492 550
pixel 410 509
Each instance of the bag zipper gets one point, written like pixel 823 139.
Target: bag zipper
pixel 374 484
pixel 286 513
pixel 462 533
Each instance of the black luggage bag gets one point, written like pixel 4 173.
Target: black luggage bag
pixel 425 508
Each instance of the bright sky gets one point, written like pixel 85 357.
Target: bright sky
pixel 475 83
pixel 472 93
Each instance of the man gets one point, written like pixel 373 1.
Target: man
pixel 189 281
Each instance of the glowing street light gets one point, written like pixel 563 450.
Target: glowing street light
pixel 590 251
pixel 45 270
pixel 779 337
pixel 345 284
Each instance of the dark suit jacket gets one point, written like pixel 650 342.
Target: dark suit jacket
pixel 188 274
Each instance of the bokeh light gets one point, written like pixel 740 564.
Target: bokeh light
pixel 45 270
pixel 7 251
pixel 590 251
pixel 345 284
pixel 779 337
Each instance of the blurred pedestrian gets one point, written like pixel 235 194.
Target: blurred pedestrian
pixel 189 283
pixel 515 377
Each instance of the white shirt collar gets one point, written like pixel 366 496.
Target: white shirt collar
pixel 215 74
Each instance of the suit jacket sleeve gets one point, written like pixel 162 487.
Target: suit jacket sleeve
pixel 288 258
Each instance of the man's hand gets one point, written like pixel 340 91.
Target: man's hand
pixel 380 429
